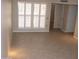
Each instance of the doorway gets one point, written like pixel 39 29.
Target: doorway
pixel 52 17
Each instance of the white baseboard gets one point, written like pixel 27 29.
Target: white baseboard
pixel 4 58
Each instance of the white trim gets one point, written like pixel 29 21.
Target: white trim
pixel 32 31
pixel 32 18
pixel 39 15
pixel 25 14
pixel 0 28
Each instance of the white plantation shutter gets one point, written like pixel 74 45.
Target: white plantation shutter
pixel 21 14
pixel 42 15
pixel 42 21
pixel 28 13
pixel 28 8
pixel 31 16
pixel 36 9
pixel 25 13
pixel 21 8
pixel 28 22
pixel 36 22
pixel 43 9
pixel 36 15
pixel 21 22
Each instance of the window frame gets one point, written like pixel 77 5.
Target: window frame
pixel 32 15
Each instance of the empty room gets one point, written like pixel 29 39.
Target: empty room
pixel 39 29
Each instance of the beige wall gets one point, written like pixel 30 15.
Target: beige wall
pixel 5 27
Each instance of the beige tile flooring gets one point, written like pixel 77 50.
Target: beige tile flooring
pixel 38 45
